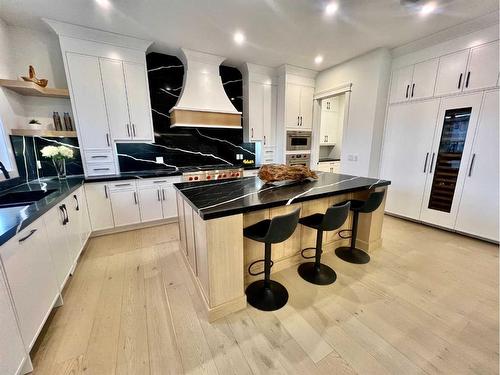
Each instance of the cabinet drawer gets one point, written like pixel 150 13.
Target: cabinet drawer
pixel 158 181
pixel 98 156
pixel 101 169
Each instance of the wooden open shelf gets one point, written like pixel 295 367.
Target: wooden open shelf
pixel 43 133
pixel 32 89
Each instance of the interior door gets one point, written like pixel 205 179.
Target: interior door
pixel 456 125
pixel 306 107
pixel 87 97
pixel 406 155
pixel 138 101
pixel 483 67
pixel 479 204
pixel 451 73
pixel 115 94
pixel 400 84
pixel 424 79
pixel 292 106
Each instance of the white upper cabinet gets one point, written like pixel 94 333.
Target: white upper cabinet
pixel 292 105
pixel 87 96
pixel 138 101
pixel 479 204
pixel 306 107
pixel 424 79
pixel 116 99
pixel 256 111
pixel 482 71
pixel 400 84
pixel 270 93
pixel 451 73
pixel 414 81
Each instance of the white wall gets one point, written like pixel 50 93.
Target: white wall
pixel 369 75
pixel 19 48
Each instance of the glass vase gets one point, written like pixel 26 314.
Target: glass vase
pixel 60 166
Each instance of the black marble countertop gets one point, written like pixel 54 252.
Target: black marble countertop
pixel 213 199
pixel 14 219
pixel 161 173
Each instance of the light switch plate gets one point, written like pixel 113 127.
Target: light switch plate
pixel 239 156
pixel 159 159
pixel 39 164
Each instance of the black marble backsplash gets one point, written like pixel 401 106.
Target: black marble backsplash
pixel 27 153
pixel 181 147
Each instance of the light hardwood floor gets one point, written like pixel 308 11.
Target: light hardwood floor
pixel 427 303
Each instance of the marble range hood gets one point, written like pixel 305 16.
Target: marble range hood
pixel 203 102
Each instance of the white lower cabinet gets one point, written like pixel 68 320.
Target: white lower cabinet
pixel 62 259
pixel 329 166
pixel 99 206
pixel 479 204
pixel 157 199
pixel 31 278
pixel 13 354
pixel 124 203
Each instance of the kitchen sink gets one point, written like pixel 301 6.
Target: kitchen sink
pixel 21 198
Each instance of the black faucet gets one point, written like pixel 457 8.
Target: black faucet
pixel 4 171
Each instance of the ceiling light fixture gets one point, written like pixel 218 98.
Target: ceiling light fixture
pixel 331 9
pixel 103 3
pixel 239 38
pixel 318 59
pixel 428 8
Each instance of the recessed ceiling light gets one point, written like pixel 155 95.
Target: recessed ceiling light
pixel 103 3
pixel 318 59
pixel 331 9
pixel 428 8
pixel 239 38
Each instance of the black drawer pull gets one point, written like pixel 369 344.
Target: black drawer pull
pixel 32 232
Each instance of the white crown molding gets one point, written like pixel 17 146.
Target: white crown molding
pixel 476 24
pixel 333 91
pixel 297 71
pixel 94 35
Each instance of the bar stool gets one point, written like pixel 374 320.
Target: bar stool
pixel 267 294
pixel 334 217
pixel 350 253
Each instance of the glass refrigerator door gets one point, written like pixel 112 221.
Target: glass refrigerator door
pixel 449 157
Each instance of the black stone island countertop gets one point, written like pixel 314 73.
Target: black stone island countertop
pixel 213 199
pixel 14 219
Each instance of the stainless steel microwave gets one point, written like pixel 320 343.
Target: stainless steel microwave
pixel 298 140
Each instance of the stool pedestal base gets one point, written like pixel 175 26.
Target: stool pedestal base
pixel 352 255
pixel 270 298
pixel 317 274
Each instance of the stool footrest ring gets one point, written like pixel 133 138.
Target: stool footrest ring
pixel 255 262
pixel 309 257
pixel 341 235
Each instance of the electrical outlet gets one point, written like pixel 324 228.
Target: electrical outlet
pixel 352 157
pixel 239 156
pixel 39 164
pixel 159 159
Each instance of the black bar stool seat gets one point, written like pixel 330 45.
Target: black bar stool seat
pixel 350 253
pixel 267 294
pixel 317 272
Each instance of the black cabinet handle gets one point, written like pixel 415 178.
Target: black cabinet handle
pixel 32 232
pixel 467 80
pixel 472 164
pixel 158 193
pixel 264 140
pixel 425 163
pixel 77 203
pixel 128 130
pixel 407 88
pixel 412 90
pixel 66 213
pixel 460 80
pixel 135 197
pixel 106 191
pixel 163 193
pixel 107 139
pixel 298 120
pixel 133 130
pixel 432 163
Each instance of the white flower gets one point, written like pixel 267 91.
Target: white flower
pixel 65 152
pixel 49 151
pixel 61 152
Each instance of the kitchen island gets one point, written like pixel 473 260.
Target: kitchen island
pixel 212 215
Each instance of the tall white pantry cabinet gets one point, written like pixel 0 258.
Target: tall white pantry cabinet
pixel 441 148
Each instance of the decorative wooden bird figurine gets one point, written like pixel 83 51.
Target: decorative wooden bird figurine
pixel 32 78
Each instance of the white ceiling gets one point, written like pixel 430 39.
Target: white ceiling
pixel 277 31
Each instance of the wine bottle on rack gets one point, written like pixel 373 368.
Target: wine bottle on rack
pixel 57 121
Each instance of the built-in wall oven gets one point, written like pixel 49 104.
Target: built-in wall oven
pixel 298 140
pixel 298 159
